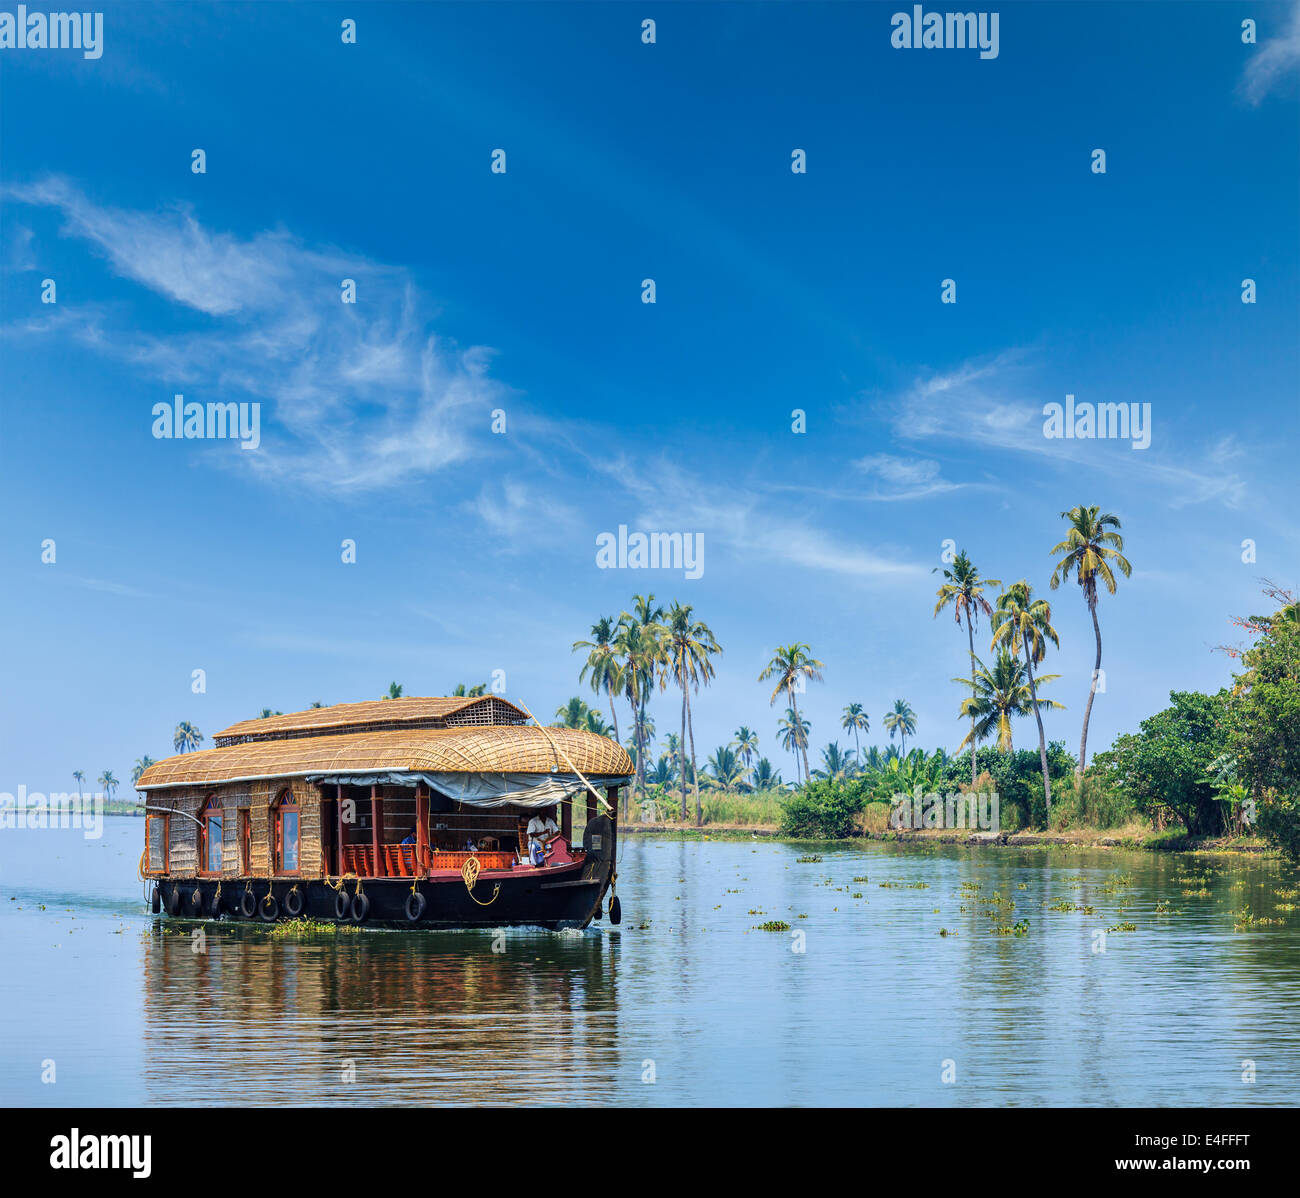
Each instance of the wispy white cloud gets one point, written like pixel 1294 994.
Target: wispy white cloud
pixel 363 396
pixel 752 522
pixel 1276 57
pixel 904 478
pixel 109 587
pixel 996 405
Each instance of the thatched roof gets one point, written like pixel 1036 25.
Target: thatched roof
pixel 514 749
pixel 374 715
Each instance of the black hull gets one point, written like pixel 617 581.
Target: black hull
pixel 522 899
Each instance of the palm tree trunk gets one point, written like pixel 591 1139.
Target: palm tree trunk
pixel 1092 691
pixel 636 773
pixel 974 744
pixel 802 743
pixel 695 773
pixel 614 716
pixel 681 753
pixel 1042 737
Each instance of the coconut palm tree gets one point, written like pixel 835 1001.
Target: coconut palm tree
pixel 964 591
pixel 793 665
pixel 1091 550
pixel 576 714
pixel 874 761
pixel 317 704
pixel 109 783
pixel 689 646
pixel 1023 622
pixel 266 713
pixel 572 714
pixel 80 776
pixel 464 692
pixel 1001 694
pixel 835 764
pixel 763 777
pixel 673 752
pixel 641 651
pixel 725 768
pixel 856 720
pixel 792 732
pixel 141 764
pixel 903 721
pixel 186 737
pixel 746 745
pixel 395 691
pixel 602 664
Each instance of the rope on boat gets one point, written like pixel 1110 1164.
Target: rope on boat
pixel 559 752
pixel 469 875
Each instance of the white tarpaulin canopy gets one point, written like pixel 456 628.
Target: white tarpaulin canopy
pixel 482 790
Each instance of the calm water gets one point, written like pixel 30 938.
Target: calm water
pixel 721 1013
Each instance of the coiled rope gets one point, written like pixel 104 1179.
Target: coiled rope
pixel 469 875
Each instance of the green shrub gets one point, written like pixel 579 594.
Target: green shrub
pixel 1093 802
pixel 825 810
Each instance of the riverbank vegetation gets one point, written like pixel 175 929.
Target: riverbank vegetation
pixel 1207 765
pixel 1218 765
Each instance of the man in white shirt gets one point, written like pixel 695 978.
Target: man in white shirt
pixel 542 830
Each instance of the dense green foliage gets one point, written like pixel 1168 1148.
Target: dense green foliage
pixel 1017 779
pixel 827 809
pixel 1265 726
pixel 1167 764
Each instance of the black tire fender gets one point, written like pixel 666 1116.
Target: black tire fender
pixel 269 908
pixel 360 907
pixel 155 900
pixel 615 910
pixel 415 906
pixel 247 904
pixel 293 903
pixel 173 900
pixel 342 904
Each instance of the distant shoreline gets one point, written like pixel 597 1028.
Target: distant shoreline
pixel 1156 842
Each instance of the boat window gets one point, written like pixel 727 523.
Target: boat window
pixel 210 840
pixel 156 840
pixel 286 834
pixel 245 841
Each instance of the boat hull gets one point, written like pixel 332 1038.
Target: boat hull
pixel 544 898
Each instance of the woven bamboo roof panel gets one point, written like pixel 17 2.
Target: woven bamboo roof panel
pixel 391 714
pixel 490 749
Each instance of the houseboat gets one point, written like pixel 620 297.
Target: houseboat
pixel 408 812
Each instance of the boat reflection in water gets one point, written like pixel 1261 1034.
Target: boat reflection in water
pixel 378 1017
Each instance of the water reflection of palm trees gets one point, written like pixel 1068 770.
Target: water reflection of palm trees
pixel 379 1017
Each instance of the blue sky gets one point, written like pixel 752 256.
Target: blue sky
pixel 522 291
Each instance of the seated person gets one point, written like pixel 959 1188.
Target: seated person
pixel 542 831
pixel 409 838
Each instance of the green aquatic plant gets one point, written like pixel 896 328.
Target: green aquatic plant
pixel 1019 928
pixel 303 926
pixel 1126 926
pixel 1245 919
pixel 812 859
pixel 774 925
